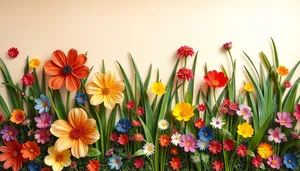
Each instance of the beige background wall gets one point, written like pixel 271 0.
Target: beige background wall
pixel 151 30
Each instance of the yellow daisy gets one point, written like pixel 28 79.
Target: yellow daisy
pixel 34 63
pixel 58 160
pixel 248 87
pixel 158 88
pixel 183 111
pixel 245 130
pixel 265 150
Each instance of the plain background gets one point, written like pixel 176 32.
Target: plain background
pixel 151 31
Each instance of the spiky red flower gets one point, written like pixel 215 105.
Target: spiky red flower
pixel 13 52
pixel 175 163
pixel 136 123
pixel 140 111
pixel 215 147
pixel 218 165
pixel 201 107
pixel 130 104
pixel 113 137
pixel 241 150
pixel 123 139
pixel 216 79
pixel 228 145
pixel 138 163
pixel 257 161
pixel 28 79
pixel 174 151
pixel 185 51
pixel 199 123
pixel 185 74
pixel 93 165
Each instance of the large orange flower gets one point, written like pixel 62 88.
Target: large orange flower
pixel 216 79
pixel 76 134
pixel 66 69
pixel 30 150
pixel 11 154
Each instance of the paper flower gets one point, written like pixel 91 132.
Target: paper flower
pixel 199 123
pixel 185 74
pixel 241 150
pixel 42 104
pixel 42 135
pixel 282 71
pixel 164 140
pixel 274 161
pixel 43 120
pixel 245 130
pixel 248 87
pixel 228 145
pixel 30 150
pixel 297 112
pixel 11 155
pixel 202 145
pixel 81 98
pixel 275 135
pixel 123 125
pixel 174 151
pixel 140 111
pixel 183 111
pixel 245 111
pixel 28 79
pixel 257 161
pixel 215 147
pixel 206 134
pixel 13 52
pixel 17 116
pixel 185 51
pixel 138 137
pixel 9 133
pixel 215 79
pixel 287 84
pixel 58 160
pixel 148 149
pixel 290 161
pixel 138 163
pixel 130 104
pixel 195 158
pixel 123 139
pixel 265 150
pixel 218 165
pixel 217 122
pixel 158 88
pixel 284 119
pixel 176 138
pixel 175 163
pixel 201 107
pixel 115 162
pixel 163 124
pixel 227 45
pixel 93 165
pixel 34 63
pixel 109 152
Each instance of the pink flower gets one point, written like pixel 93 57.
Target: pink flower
pixel 296 135
pixel 276 135
pixel 275 161
pixel 287 84
pixel 110 152
pixel 13 52
pixel 188 142
pixel 130 104
pixel 136 123
pixel 73 165
pixel 138 163
pixel 185 51
pixel 245 111
pixel 113 137
pixel 28 79
pixel 140 111
pixel 234 106
pixel 42 135
pixel 43 120
pixel 297 112
pixel 227 46
pixel 284 119
pixel 185 74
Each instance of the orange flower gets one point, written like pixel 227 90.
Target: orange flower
pixel 282 71
pixel 139 137
pixel 17 116
pixel 93 165
pixel 11 154
pixel 66 69
pixel 30 150
pixel 164 140
pixel 76 134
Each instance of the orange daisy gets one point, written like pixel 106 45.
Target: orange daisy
pixel 138 137
pixel 93 165
pixel 66 69
pixel 282 71
pixel 164 140
pixel 17 116
pixel 11 154
pixel 30 150
pixel 76 134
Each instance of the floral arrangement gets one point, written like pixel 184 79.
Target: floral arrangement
pixel 214 127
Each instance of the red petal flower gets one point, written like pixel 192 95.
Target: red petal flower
pixel 257 161
pixel 174 151
pixel 199 123
pixel 185 74
pixel 216 79
pixel 130 104
pixel 241 150
pixel 138 163
pixel 140 111
pixel 185 51
pixel 215 147
pixel 28 79
pixel 123 139
pixel 13 52
pixel 218 165
pixel 201 107
pixel 287 84
pixel 175 163
pixel 228 145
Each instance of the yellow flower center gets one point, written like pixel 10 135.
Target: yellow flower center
pixel 203 143
pixel 31 150
pixel 105 91
pixel 10 132
pixel 215 82
pixel 188 143
pixel 59 158
pixel 274 162
pixel 149 148
pixel 75 133
pixel 164 140
pixel 283 121
pixel 163 124
pixel 244 112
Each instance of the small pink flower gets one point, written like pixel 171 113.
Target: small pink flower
pixel 113 137
pixel 234 106
pixel 296 135
pixel 226 102
pixel 245 111
pixel 136 123
pixel 138 163
pixel 13 52
pixel 28 79
pixel 297 112
pixel 110 152
pixel 284 119
pixel 140 111
pixel 276 135
pixel 43 120
pixel 227 46
pixel 130 104
pixel 185 51
pixel 185 74
pixel 287 84
pixel 188 142
pixel 42 135
pixel 26 122
pixel 73 165
pixel 274 162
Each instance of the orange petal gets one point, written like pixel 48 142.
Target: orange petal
pixel 109 102
pixel 81 60
pixel 9 163
pixel 17 165
pixel 77 117
pixel 5 156
pixel 59 58
pixel 72 57
pixel 92 88
pixel 109 78
pixel 52 69
pixel 4 149
pixel 61 128
pixel 81 72
pixel 118 85
pixel 72 83
pixel 99 79
pixel 97 99
pixel 63 143
pixel 56 82
pixel 80 149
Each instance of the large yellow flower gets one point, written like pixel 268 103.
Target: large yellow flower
pixel 58 160
pixel 105 89
pixel 245 130
pixel 158 88
pixel 76 134
pixel 265 150
pixel 183 111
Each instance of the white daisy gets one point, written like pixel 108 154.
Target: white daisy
pixel 163 124
pixel 195 157
pixel 148 149
pixel 217 122
pixel 176 138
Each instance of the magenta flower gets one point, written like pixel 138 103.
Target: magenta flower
pixel 42 135
pixel 275 161
pixel 227 46
pixel 245 111
pixel 188 142
pixel 276 135
pixel 284 119
pixel 43 120
pixel 9 133
pixel 297 112
pixel 110 152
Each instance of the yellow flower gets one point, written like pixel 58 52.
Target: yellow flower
pixel 34 63
pixel 105 88
pixel 245 130
pixel 158 88
pixel 76 134
pixel 248 87
pixel 282 71
pixel 58 160
pixel 265 150
pixel 183 111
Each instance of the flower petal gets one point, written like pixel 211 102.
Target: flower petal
pixel 77 117
pixel 57 166
pixel 56 82
pixel 97 98
pixel 109 78
pixel 72 83
pixel 61 128
pixel 79 149
pixel 64 143
pixel 49 160
pixel 8 163
pixel 99 79
pixel 109 102
pixel 52 69
pixel 81 60
pixel 81 72
pixel 92 88
pixel 59 58
pixel 72 57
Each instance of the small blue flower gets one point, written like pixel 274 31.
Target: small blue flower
pixel 203 145
pixel 34 166
pixel 206 134
pixel 42 104
pixel 290 161
pixel 81 98
pixel 115 162
pixel 123 125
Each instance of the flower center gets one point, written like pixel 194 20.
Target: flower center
pixel 283 121
pixel 274 162
pixel 59 158
pixel 215 82
pixel 217 122
pixel 203 144
pixel 289 161
pixel 149 149
pixel 275 135
pixel 35 166
pixel 244 112
pixel 206 134
pixel 67 69
pixel 45 104
pixel 31 150
pixel 105 91
pixel 163 124
pixel 19 117
pixel 117 161
pixel 15 154
pixel 188 143
pixel 123 126
pixel 10 132
pixel 76 133
pixel 164 140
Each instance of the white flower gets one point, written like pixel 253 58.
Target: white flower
pixel 163 124
pixel 217 122
pixel 175 138
pixel 148 149
pixel 195 158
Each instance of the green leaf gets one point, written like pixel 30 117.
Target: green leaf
pixel 289 101
pixel 250 153
pixel 140 152
pixel 189 94
pixel 275 53
pixel 4 107
pixel 93 152
pixel 252 64
pixel 127 83
pixel 146 130
pixel 205 157
pixel 266 61
pixel 262 166
pixel 147 81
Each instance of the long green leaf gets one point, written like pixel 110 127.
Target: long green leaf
pixel 190 91
pixel 147 81
pixel 126 81
pixel 275 53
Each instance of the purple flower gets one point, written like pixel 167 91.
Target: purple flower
pixel 188 142
pixel 245 111
pixel 284 119
pixel 9 133
pixel 42 135
pixel 44 120
pixel 275 161
pixel 276 135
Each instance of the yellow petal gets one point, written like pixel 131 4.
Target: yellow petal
pixel 97 99
pixel 92 88
pixel 99 79
pixel 77 117
pixel 49 160
pixel 60 128
pixel 79 149
pixel 118 85
pixel 109 79
pixel 63 143
pixel 57 167
pixel 109 102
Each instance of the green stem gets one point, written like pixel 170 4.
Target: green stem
pixel 216 103
pixel 187 161
pixel 183 89
pixel 101 133
pixel 185 61
pixel 68 101
pixel 230 57
pixel 151 162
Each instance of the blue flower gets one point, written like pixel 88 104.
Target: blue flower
pixel 203 145
pixel 206 134
pixel 34 166
pixel 42 104
pixel 115 162
pixel 290 161
pixel 81 98
pixel 123 125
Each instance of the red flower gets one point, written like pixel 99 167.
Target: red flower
pixel 164 140
pixel 218 165
pixel 287 84
pixel 136 123
pixel 216 79
pixel 257 161
pixel 73 165
pixel 28 79
pixel 1 118
pixel 227 46
pixel 185 51
pixel 174 131
pixel 241 150
pixel 201 107
pixel 226 102
pixel 185 74
pixel 113 137
pixel 123 139
pixel 228 145
pixel 174 151
pixel 45 169
pixel 215 147
pixel 234 106
pixel 199 123
pixel 11 154
pixel 140 111
pixel 138 163
pixel 175 163
pixel 93 165
pixel 13 52
pixel 130 104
